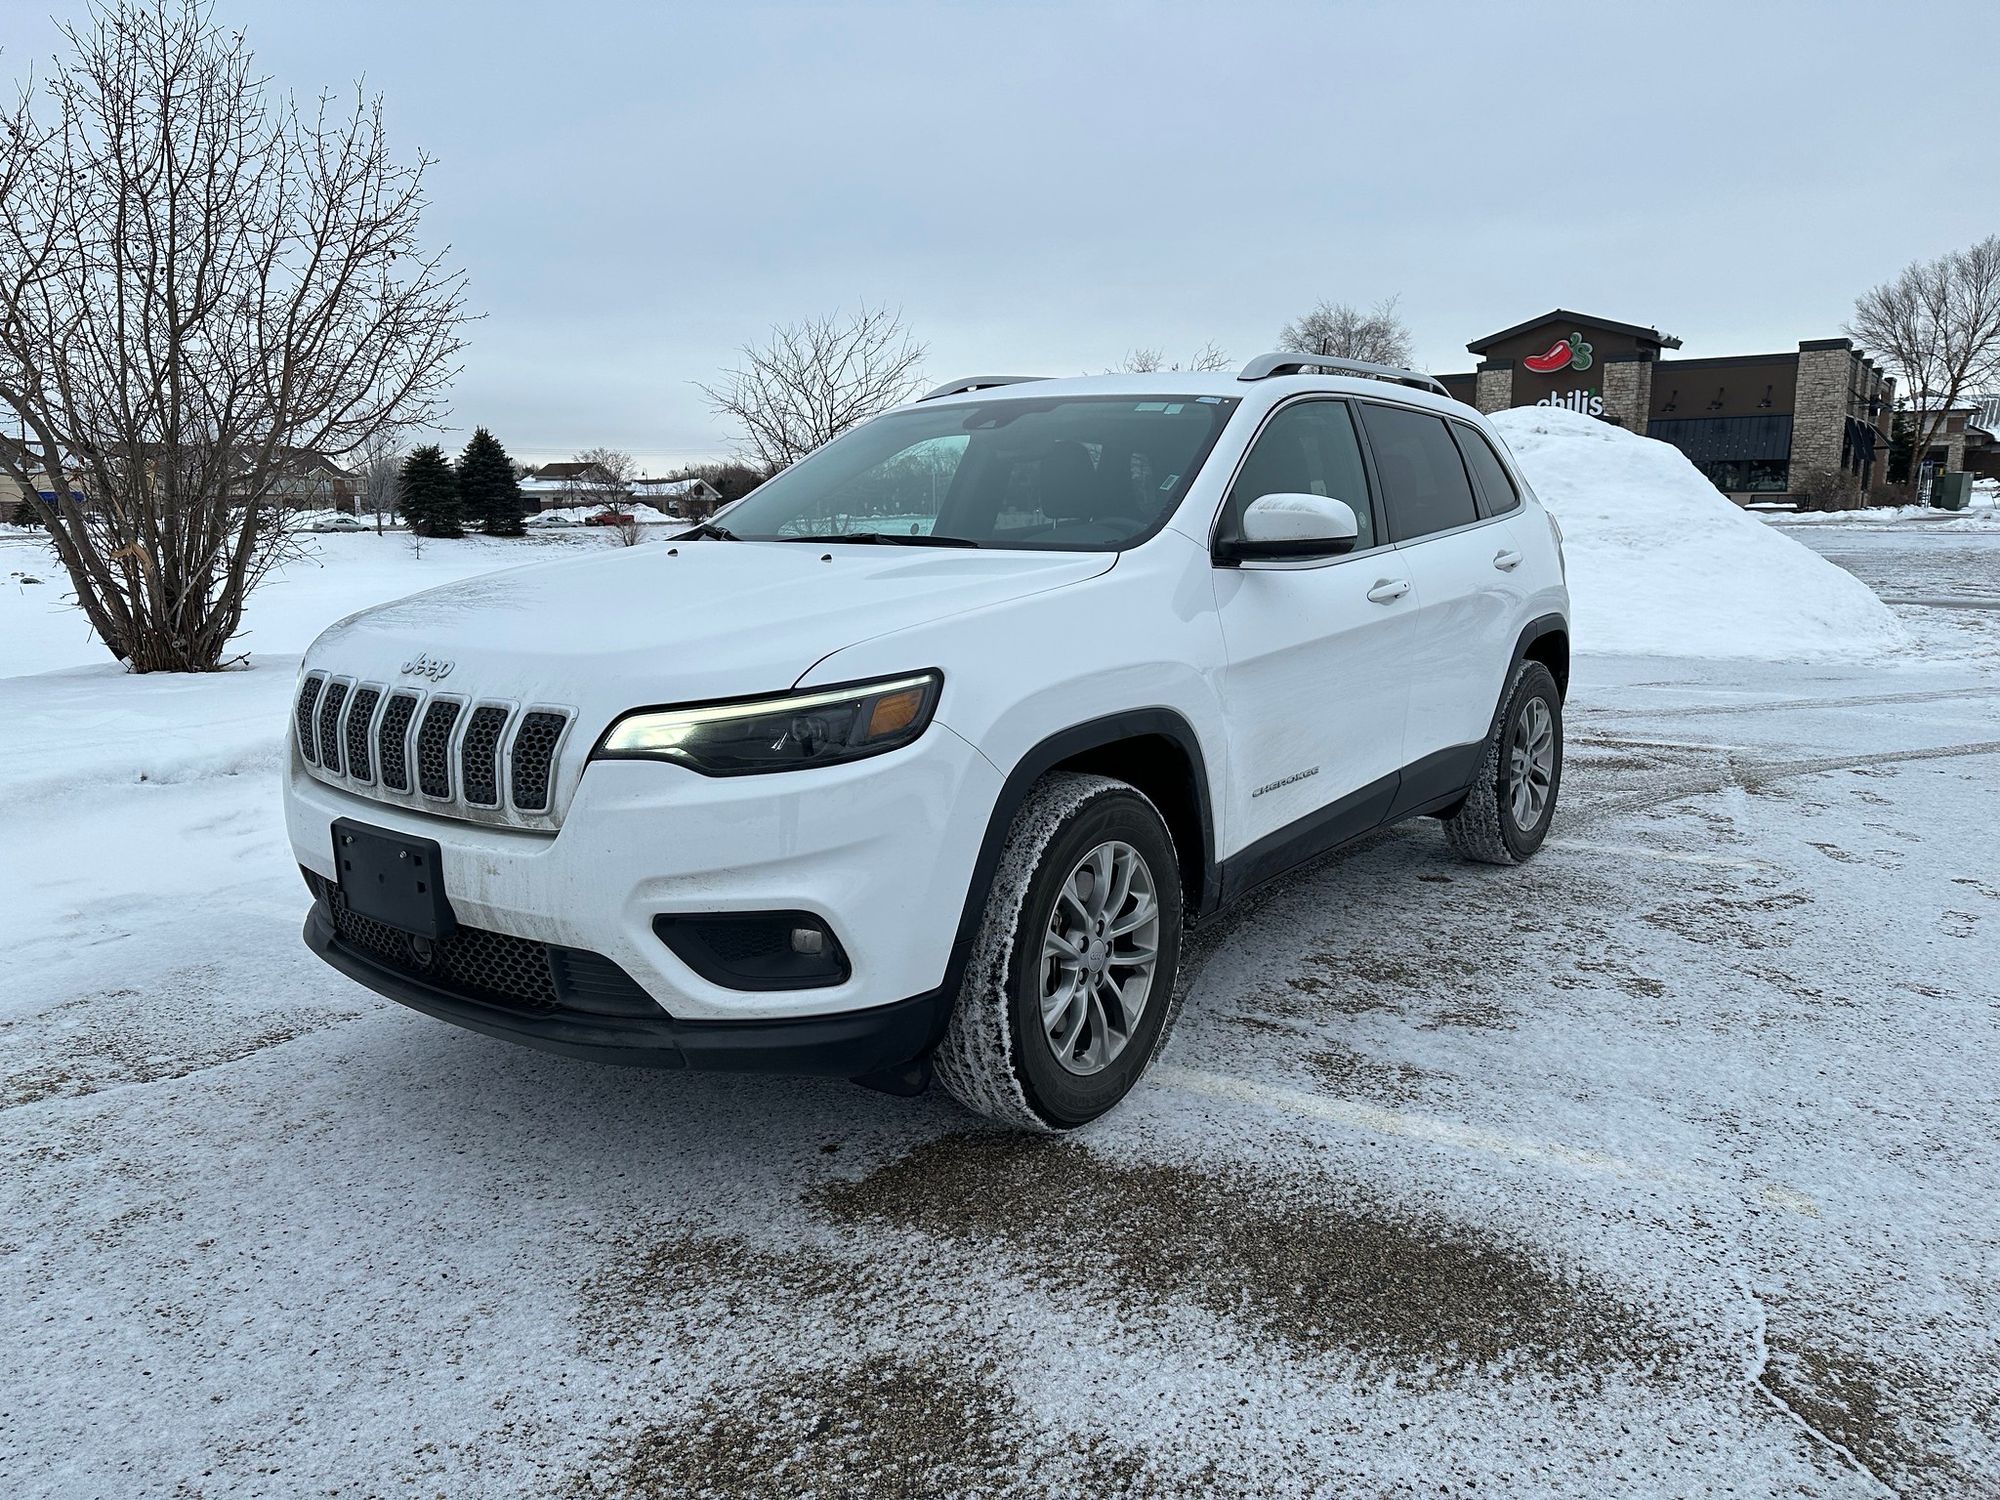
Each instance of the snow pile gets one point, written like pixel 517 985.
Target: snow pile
pixel 1663 564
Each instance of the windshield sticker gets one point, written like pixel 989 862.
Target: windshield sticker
pixel 1170 410
pixel 1169 482
pixel 1151 406
pixel 1209 400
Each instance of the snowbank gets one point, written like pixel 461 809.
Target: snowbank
pixel 1662 564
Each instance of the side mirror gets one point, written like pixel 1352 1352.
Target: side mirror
pixel 1292 526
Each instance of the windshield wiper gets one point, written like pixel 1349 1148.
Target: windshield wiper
pixel 710 529
pixel 884 539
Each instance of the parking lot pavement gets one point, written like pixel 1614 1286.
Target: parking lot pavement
pixel 1664 1165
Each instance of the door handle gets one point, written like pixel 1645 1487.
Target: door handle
pixel 1506 561
pixel 1388 590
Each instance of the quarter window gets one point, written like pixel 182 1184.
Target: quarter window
pixel 1424 485
pixel 1490 478
pixel 1308 448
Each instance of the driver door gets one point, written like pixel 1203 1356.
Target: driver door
pixel 1314 684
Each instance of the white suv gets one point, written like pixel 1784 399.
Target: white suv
pixel 922 755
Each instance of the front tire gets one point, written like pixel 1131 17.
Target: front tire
pixel 1507 814
pixel 1069 991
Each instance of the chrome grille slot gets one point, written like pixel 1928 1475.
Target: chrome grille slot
pixel 360 717
pixel 434 747
pixel 478 756
pixel 329 726
pixel 309 692
pixel 534 757
pixel 392 740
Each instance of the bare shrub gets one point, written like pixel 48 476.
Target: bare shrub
pixel 202 284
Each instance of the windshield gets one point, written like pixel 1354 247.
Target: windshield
pixel 1081 474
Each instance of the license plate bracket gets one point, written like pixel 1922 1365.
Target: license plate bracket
pixel 393 879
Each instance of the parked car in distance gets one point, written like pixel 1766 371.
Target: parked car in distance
pixel 339 523
pixel 938 792
pixel 611 518
pixel 547 520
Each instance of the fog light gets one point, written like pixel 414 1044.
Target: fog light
pixel 762 950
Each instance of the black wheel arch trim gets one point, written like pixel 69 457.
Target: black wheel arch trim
pixel 1064 745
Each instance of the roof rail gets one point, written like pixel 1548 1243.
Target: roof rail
pixel 1287 362
pixel 976 383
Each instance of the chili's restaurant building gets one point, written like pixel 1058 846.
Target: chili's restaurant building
pixel 1755 424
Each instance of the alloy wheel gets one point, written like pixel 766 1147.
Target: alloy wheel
pixel 1531 762
pixel 1099 956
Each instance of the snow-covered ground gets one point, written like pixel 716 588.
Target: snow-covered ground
pixel 1664 1165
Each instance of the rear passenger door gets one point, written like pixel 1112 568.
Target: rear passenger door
pixel 1462 557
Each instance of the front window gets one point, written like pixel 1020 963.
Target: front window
pixel 1079 474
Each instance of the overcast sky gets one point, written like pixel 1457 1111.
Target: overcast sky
pixel 638 189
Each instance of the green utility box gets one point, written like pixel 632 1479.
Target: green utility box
pixel 1950 491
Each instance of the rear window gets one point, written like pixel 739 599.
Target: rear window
pixel 1490 478
pixel 1424 483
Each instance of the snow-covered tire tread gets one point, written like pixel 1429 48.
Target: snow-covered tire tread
pixel 975 1062
pixel 1474 830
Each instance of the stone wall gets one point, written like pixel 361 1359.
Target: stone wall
pixel 1826 397
pixel 1495 388
pixel 1628 393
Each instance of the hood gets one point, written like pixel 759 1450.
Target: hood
pixel 682 623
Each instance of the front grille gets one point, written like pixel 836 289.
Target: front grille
pixel 329 726
pixel 479 761
pixel 392 741
pixel 534 753
pixel 308 701
pixel 487 763
pixel 360 715
pixel 493 968
pixel 433 748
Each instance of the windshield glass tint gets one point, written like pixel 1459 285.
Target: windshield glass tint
pixel 1085 474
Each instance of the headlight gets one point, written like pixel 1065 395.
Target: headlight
pixel 819 727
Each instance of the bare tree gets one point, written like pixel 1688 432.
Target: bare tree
pixel 604 481
pixel 381 460
pixel 1147 361
pixel 1937 326
pixel 200 281
pixel 626 529
pixel 1339 330
pixel 814 380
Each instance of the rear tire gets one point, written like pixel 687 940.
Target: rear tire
pixel 1060 1012
pixel 1505 817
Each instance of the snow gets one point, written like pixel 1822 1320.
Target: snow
pixel 1663 564
pixel 1662 1165
pixel 338 574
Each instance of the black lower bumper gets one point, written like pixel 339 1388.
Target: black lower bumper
pixel 885 1047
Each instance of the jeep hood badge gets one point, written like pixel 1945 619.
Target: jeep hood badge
pixel 434 667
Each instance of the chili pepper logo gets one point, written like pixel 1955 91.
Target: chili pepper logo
pixel 1571 353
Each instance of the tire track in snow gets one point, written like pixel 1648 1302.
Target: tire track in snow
pixel 1657 711
pixel 1750 775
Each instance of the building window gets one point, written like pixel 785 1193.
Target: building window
pixel 1755 476
pixel 1740 455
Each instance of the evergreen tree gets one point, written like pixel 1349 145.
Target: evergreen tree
pixel 487 486
pixel 427 493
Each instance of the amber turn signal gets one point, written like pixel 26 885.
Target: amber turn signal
pixel 895 712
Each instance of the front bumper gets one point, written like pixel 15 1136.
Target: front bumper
pixel 883 1046
pixel 882 850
